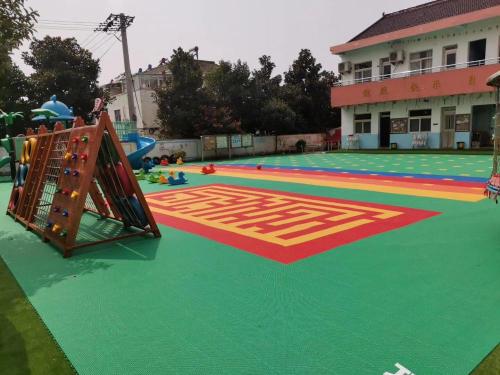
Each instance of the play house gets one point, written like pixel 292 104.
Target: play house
pixel 65 176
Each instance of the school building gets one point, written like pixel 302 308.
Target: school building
pixel 417 78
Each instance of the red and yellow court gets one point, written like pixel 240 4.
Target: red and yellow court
pixel 277 225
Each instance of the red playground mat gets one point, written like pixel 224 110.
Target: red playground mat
pixel 281 226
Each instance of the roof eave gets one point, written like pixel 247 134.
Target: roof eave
pixel 425 28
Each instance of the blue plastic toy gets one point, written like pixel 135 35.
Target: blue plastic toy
pixel 148 165
pixel 177 181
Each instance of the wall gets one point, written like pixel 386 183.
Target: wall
pixel 145 108
pixel 436 41
pixel 287 142
pixel 261 146
pixel 149 109
pixel 192 148
pixel 463 105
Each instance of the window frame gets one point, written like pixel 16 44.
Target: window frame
pixel 119 117
pixel 420 60
pixel 419 118
pixel 365 121
pixel 448 50
pixel 363 70
pixel 385 62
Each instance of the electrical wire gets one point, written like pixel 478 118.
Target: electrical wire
pixel 109 48
pixel 101 37
pixel 88 42
pixel 98 46
pixel 70 22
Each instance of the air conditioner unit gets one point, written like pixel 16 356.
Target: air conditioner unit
pixel 345 67
pixel 397 57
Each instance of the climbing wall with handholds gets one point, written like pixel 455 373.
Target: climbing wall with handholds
pixel 75 172
pixel 82 170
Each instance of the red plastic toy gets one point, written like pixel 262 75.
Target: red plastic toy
pixel 208 170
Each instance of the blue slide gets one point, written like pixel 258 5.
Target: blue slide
pixel 144 145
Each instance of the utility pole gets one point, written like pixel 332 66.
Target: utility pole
pixel 113 24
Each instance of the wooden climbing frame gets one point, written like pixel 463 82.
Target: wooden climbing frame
pixel 76 171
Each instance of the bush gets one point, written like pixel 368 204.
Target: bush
pixel 300 145
pixel 180 154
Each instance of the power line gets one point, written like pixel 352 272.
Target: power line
pixel 92 23
pixel 101 44
pixel 100 37
pixel 63 28
pixel 96 34
pixel 87 38
pixel 109 48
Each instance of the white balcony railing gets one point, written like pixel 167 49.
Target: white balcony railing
pixel 410 73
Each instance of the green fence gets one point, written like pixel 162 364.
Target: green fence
pixel 125 127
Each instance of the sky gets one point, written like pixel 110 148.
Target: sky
pixel 222 29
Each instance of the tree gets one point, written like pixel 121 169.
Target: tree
pixel 265 91
pixel 182 104
pixel 228 89
pixel 16 24
pixel 307 92
pixel 63 68
pixel 278 117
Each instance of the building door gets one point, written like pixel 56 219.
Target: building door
pixel 483 125
pixel 385 129
pixel 448 128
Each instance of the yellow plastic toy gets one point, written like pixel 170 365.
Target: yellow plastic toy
pixel 162 180
pixel 172 173
pixel 180 161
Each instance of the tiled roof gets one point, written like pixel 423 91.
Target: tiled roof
pixel 425 13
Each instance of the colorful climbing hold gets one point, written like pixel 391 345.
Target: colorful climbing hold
pixel 49 224
pixel 66 192
pixel 74 156
pixel 67 171
pixel 74 194
pixel 56 228
pixel 56 209
pixel 84 157
pixel 67 156
pixel 75 140
pixel 65 213
pixel 84 139
pixel 75 173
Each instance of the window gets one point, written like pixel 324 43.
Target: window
pixel 420 120
pixel 363 72
pixel 421 62
pixel 477 52
pixel 118 115
pixel 363 123
pixel 450 57
pixel 385 68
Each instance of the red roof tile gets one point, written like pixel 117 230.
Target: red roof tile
pixel 425 13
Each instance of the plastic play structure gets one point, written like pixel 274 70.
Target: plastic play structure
pixel 144 146
pixel 53 111
pixel 67 173
pixel 210 169
pixel 493 186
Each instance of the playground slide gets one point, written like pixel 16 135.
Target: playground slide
pixel 4 160
pixel 144 145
